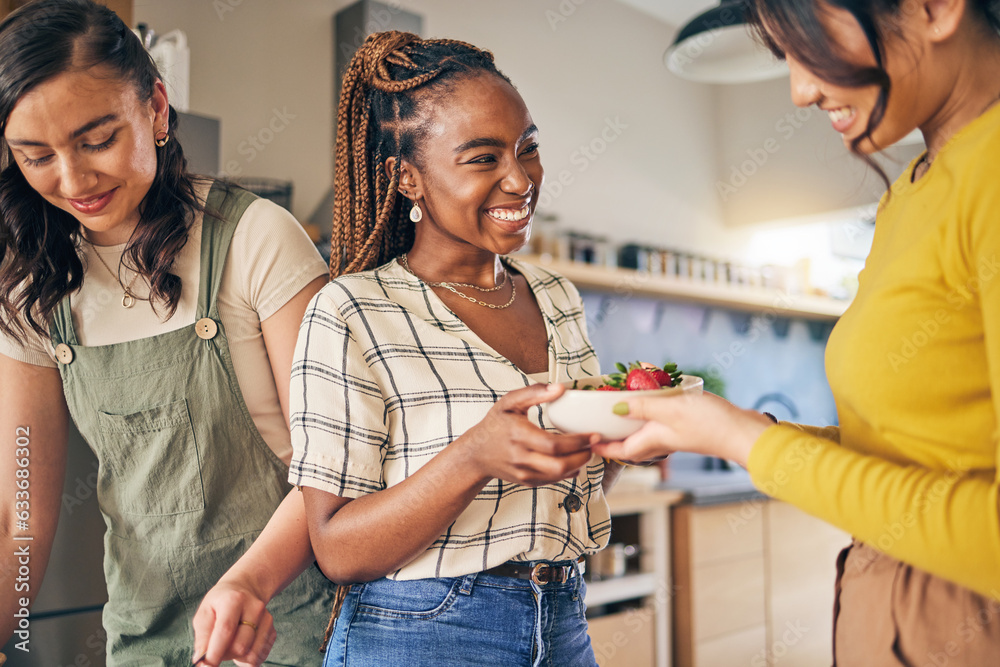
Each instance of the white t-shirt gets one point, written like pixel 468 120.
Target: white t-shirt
pixel 270 260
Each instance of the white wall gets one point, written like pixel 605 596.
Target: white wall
pixel 776 161
pixel 262 65
pixel 596 70
pixel 630 150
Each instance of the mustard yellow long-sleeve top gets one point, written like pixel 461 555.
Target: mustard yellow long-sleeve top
pixel 914 367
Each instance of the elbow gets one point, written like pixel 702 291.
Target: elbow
pixel 345 571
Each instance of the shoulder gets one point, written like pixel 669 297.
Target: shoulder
pixel 365 289
pixel 975 150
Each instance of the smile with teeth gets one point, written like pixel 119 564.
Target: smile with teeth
pixel 843 113
pixel 508 214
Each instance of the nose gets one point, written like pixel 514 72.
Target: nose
pixel 804 84
pixel 76 177
pixel 517 181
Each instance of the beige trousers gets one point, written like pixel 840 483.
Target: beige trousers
pixel 889 614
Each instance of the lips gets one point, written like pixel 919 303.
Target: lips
pixel 514 217
pixel 94 204
pixel 842 118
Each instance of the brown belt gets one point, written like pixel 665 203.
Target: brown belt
pixel 540 573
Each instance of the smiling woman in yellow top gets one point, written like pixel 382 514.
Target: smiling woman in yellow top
pixel 914 364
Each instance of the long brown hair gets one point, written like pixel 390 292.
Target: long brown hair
pixel 38 242
pixel 795 25
pixel 389 90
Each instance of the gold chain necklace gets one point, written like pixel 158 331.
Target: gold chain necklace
pixel 451 287
pixel 128 299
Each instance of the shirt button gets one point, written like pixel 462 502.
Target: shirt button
pixel 573 502
pixel 206 328
pixel 64 353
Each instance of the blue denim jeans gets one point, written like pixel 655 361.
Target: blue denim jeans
pixel 478 619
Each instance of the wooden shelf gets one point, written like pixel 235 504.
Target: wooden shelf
pixel 628 282
pixel 620 588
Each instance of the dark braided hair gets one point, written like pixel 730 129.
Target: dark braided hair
pixel 797 26
pixel 389 90
pixel 38 241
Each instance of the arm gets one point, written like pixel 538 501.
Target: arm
pixel 282 551
pixel 369 537
pixel 279 555
pixel 280 332
pixel 34 409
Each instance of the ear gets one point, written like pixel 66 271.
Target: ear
pixel 941 19
pixel 410 182
pixel 159 107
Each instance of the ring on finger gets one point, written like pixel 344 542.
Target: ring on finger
pixel 252 625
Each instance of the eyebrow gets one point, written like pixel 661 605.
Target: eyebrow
pixel 493 142
pixel 74 135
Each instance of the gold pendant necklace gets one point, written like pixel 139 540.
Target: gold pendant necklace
pixel 451 287
pixel 128 299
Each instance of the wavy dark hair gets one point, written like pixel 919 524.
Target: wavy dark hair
pixel 795 25
pixel 389 90
pixel 38 242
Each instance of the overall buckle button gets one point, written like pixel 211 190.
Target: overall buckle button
pixel 64 353
pixel 206 328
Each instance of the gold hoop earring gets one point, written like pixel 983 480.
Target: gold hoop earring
pixel 161 139
pixel 416 215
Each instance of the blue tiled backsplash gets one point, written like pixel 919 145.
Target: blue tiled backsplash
pixel 767 363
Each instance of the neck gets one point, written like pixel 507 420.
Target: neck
pixel 485 270
pixel 974 87
pixel 440 257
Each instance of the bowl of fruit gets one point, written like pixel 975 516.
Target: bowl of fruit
pixel 587 404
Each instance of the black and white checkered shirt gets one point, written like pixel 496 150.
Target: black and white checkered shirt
pixel 385 376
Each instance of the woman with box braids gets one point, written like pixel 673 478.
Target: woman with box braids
pixel 388 86
pixel 431 478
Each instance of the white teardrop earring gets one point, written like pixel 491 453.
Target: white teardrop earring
pixel 416 215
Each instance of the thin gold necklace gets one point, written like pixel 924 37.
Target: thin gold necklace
pixel 451 287
pixel 128 298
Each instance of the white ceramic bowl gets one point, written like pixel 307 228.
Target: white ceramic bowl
pixel 589 411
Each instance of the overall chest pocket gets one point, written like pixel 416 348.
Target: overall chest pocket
pixel 153 458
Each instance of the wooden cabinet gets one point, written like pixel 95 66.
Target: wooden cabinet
pixel 754 585
pixel 637 633
pixel 121 7
pixel 801 570
pixel 718 570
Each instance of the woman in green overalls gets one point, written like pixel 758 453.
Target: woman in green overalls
pixel 160 311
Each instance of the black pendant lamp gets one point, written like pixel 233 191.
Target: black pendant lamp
pixel 716 47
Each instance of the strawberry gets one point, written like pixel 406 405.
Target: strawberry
pixel 662 377
pixel 608 387
pixel 639 379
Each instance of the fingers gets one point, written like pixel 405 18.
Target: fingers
pixel 555 444
pixel 534 469
pixel 226 626
pixel 203 623
pixel 520 400
pixel 663 409
pixel 264 637
pixel 652 441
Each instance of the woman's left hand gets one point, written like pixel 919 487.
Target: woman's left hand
pixel 703 424
pixel 232 623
